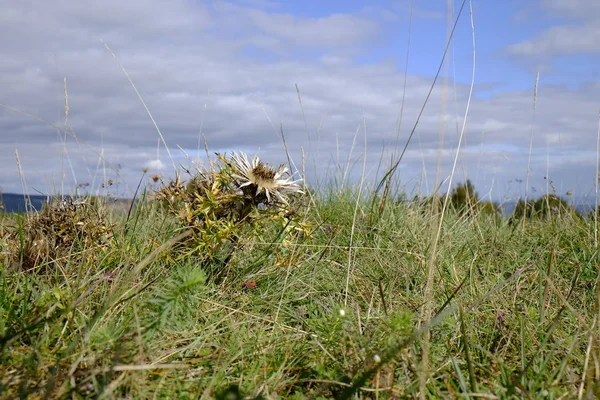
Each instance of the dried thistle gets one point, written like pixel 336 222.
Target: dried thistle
pixel 256 178
pixel 237 197
pixel 64 229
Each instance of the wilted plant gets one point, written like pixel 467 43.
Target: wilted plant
pixel 237 197
pixel 62 230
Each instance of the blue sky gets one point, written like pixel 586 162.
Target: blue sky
pixel 497 26
pixel 228 70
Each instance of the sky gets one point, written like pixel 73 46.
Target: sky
pixel 92 92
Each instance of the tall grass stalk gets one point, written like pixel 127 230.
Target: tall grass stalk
pixel 405 80
pixel 531 126
pixel 160 135
pixel 354 217
pixel 596 182
pixel 428 307
pixel 28 205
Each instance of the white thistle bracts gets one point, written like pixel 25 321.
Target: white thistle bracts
pixel 256 178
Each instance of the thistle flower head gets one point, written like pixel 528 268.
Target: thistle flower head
pixel 260 178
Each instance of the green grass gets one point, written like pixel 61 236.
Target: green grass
pixel 516 311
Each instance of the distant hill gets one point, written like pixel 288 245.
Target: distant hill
pixel 508 207
pixel 15 203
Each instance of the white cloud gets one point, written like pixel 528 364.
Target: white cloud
pixel 156 165
pixel 574 8
pixel 562 39
pixel 332 31
pixel 580 35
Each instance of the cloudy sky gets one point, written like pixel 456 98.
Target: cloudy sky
pixel 232 73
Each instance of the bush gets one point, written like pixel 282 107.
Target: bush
pixel 547 206
pixel 464 198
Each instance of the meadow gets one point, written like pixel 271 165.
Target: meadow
pixel 239 282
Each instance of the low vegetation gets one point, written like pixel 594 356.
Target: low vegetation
pixel 238 282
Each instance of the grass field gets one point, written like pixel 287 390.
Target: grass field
pixel 324 297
